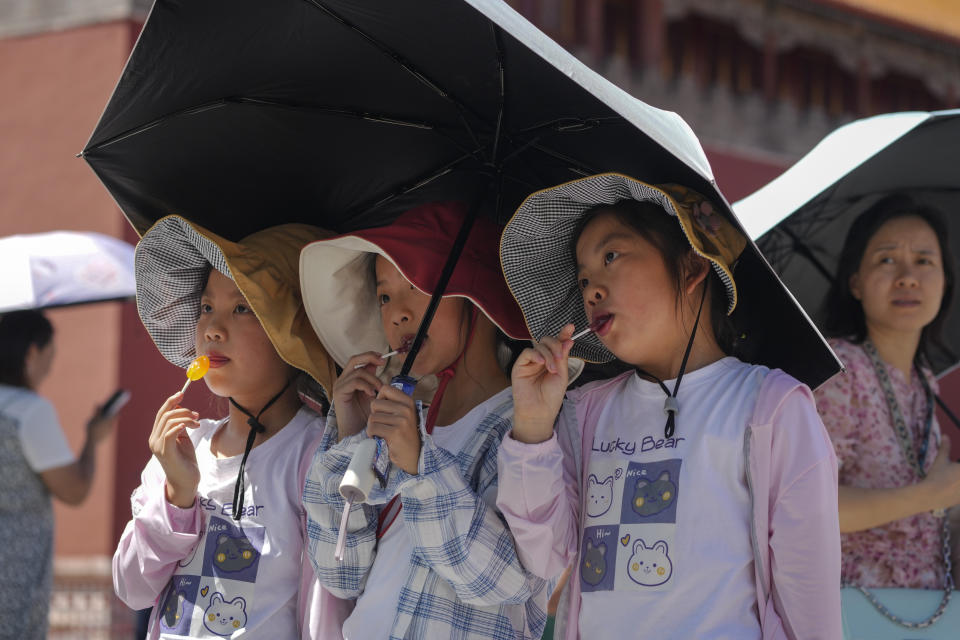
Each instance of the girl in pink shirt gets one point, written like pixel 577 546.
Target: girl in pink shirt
pixel 217 540
pixel 693 494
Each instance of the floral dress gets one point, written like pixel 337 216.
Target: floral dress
pixel 907 552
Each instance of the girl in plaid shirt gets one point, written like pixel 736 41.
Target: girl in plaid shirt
pixel 429 556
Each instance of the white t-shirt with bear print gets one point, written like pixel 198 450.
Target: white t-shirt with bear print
pixel 241 578
pixel 666 541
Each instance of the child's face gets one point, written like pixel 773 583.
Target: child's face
pixel 900 281
pixel 243 362
pixel 626 284
pixel 401 309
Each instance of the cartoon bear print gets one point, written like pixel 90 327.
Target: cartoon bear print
pixel 171 611
pixel 650 566
pixel 224 617
pixel 650 498
pixel 193 552
pixel 594 566
pixel 233 554
pixel 599 495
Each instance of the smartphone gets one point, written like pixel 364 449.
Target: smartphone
pixel 116 402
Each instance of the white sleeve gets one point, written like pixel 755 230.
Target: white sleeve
pixel 44 445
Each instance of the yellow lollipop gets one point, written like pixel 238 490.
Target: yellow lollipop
pixel 196 370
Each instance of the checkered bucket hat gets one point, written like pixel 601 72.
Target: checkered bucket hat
pixel 171 265
pixel 540 271
pixel 540 267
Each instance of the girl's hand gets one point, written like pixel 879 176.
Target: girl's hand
pixel 393 417
pixel 353 391
pixel 540 380
pixel 943 479
pixel 172 446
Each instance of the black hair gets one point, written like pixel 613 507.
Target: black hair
pixel 652 223
pixel 18 331
pixel 843 314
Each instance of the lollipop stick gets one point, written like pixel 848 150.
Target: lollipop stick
pixel 580 334
pixel 382 355
pixel 185 385
pixel 342 536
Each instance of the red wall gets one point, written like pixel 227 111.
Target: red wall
pixel 55 86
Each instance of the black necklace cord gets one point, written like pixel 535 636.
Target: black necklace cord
pixel 671 406
pixel 255 427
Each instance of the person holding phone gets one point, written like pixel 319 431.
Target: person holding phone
pixel 35 462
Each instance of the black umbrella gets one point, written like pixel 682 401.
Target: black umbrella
pixel 240 115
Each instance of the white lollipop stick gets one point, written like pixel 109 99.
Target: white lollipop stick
pixel 580 334
pixel 382 355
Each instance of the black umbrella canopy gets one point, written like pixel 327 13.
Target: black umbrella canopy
pixel 245 114
pixel 913 153
pixel 239 115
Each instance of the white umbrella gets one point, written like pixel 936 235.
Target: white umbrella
pixel 64 268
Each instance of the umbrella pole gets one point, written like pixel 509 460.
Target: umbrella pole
pixel 441 287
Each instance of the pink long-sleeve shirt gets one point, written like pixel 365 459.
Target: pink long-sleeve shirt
pixel 204 572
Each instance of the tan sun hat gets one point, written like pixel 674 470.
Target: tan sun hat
pixel 171 265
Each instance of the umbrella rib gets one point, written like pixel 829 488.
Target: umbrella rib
pixel 336 111
pixel 460 105
pixel 807 253
pixel 576 124
pixel 360 115
pixel 414 185
pixel 576 166
pixel 350 113
pixel 502 98
pixel 571 124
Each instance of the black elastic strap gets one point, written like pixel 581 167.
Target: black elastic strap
pixel 670 405
pixel 255 427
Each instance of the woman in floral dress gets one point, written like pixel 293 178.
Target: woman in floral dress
pixel 894 286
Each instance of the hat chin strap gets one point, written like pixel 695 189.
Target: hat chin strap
pixel 444 376
pixel 255 427
pixel 671 406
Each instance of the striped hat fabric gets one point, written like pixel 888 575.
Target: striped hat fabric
pixel 171 264
pixel 541 270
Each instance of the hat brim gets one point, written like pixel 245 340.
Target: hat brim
pixel 340 295
pixel 538 263
pixel 171 265
pixel 540 269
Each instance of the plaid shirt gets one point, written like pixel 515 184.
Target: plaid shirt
pixel 465 579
